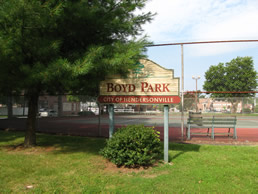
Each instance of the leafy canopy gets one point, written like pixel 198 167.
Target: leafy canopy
pixel 238 75
pixel 58 46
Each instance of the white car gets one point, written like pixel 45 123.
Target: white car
pixel 47 113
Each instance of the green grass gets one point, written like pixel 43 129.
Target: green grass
pixel 67 164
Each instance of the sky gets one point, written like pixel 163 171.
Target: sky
pixel 179 21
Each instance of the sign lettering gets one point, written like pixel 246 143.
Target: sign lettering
pixel 150 83
pixel 140 99
pixel 120 87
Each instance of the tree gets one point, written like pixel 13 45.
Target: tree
pixel 189 102
pixel 238 75
pixel 66 46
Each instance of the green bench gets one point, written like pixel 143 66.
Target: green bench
pixel 197 121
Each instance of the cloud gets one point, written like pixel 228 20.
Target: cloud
pixel 203 20
pixel 170 20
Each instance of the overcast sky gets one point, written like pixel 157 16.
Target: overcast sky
pixel 201 20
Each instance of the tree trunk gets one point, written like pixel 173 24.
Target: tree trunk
pixel 99 124
pixel 60 105
pixel 9 106
pixel 24 105
pixel 243 105
pixel 234 105
pixel 30 136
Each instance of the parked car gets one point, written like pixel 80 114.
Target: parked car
pixel 47 113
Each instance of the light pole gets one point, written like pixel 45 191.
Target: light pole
pixel 196 78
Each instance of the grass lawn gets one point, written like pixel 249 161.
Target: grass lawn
pixel 67 164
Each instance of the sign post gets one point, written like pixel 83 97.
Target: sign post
pixel 166 134
pixel 111 119
pixel 149 83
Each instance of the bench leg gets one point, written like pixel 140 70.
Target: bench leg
pixel 208 131
pixel 228 132
pixel 235 133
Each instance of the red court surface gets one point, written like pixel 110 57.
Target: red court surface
pixel 75 126
pixel 245 136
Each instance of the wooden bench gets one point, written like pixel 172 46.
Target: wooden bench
pixel 211 123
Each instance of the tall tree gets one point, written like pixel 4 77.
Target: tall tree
pixel 189 102
pixel 57 46
pixel 238 75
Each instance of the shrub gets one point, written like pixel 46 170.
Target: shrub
pixel 133 146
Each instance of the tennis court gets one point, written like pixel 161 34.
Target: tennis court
pixel 247 127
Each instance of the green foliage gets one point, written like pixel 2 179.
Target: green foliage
pixel 58 47
pixel 235 76
pixel 72 98
pixel 133 146
pixel 189 102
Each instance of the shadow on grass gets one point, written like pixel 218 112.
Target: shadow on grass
pixel 6 136
pixel 71 144
pixel 62 144
pixel 182 148
pixel 75 144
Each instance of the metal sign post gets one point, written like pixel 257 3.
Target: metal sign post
pixel 111 119
pixel 166 134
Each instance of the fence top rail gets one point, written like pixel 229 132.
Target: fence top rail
pixel 200 42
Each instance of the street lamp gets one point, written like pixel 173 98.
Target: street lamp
pixel 196 78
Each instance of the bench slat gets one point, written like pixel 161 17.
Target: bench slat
pixel 198 121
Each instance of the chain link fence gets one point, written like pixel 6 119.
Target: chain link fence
pixel 69 105
pixel 83 116
pixel 237 105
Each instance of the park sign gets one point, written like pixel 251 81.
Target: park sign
pixel 149 83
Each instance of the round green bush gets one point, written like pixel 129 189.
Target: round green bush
pixel 133 146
